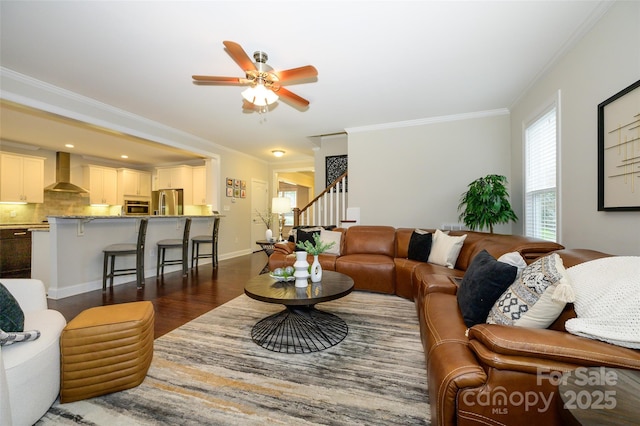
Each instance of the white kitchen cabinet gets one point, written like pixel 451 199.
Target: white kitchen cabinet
pixel 133 183
pixel 200 186
pixel 179 177
pixel 102 183
pixel 21 178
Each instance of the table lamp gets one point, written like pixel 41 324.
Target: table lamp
pixel 280 206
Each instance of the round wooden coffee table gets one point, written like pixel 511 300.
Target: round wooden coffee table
pixel 300 327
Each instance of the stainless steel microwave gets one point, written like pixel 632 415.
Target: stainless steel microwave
pixel 136 208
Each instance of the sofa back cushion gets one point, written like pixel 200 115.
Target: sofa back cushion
pixel 499 244
pixel 370 240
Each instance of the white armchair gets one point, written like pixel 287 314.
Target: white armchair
pixel 30 371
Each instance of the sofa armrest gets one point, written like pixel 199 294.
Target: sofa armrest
pixel 550 345
pixel 29 293
pixel 285 248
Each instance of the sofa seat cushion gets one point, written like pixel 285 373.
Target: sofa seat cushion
pixel 374 272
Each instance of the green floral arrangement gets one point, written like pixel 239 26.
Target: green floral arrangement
pixel 317 248
pixel 266 217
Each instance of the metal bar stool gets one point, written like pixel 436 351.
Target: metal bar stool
pixel 169 243
pixel 206 239
pixel 114 250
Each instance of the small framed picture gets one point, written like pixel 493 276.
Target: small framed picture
pixel 236 192
pixel 229 192
pixel 236 183
pixel 243 193
pixel 229 182
pixel 243 184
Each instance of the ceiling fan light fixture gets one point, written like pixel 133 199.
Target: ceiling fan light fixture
pixel 259 95
pixel 277 152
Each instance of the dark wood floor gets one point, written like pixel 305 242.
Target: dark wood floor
pixel 176 300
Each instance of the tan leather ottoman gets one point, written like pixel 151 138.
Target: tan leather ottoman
pixel 106 349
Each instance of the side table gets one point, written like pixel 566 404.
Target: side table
pixel 600 395
pixel 267 247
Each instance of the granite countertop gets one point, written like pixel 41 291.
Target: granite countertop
pixel 134 217
pixel 37 225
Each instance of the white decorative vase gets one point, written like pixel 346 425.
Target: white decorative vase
pixel 268 235
pixel 301 268
pixel 316 270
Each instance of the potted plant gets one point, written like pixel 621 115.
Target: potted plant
pixel 486 203
pixel 315 249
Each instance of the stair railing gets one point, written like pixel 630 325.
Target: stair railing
pixel 328 208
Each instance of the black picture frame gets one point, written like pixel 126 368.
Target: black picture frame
pixel 619 174
pixel 336 166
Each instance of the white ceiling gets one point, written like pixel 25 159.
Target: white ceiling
pixel 378 62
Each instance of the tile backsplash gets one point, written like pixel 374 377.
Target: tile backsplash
pixel 67 204
pixel 55 204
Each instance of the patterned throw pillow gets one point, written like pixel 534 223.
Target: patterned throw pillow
pixel 11 315
pixel 7 339
pixel 536 298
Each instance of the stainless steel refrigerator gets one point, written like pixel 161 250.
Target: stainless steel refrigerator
pixel 168 202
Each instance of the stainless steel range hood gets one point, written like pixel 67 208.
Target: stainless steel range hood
pixel 63 176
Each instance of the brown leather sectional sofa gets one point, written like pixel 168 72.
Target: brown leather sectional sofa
pixel 487 375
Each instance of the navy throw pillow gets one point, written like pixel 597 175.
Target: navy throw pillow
pixel 483 283
pixel 420 246
pixel 11 315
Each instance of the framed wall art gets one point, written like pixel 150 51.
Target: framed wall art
pixel 619 151
pixel 335 166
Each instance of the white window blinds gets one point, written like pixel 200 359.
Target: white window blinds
pixel 540 177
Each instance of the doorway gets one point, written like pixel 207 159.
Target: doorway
pixel 259 203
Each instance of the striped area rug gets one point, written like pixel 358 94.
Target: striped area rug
pixel 210 372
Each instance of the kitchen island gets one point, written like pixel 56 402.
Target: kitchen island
pixel 69 259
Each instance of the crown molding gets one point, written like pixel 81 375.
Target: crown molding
pixel 37 94
pixel 429 120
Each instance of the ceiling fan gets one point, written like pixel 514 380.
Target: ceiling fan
pixel 265 84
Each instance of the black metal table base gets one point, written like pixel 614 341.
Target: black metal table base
pixel 299 330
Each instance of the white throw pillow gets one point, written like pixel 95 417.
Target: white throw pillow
pixel 514 258
pixel 445 249
pixel 331 236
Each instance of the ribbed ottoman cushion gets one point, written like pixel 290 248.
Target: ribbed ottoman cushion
pixel 106 349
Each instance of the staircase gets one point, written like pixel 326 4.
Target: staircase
pixel 328 208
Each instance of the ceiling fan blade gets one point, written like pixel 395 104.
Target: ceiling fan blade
pixel 308 71
pixel 239 55
pixel 292 97
pixel 211 79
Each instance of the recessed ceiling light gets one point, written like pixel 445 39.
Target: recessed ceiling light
pixel 68 145
pixel 124 156
pixel 278 152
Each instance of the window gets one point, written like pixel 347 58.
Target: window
pixel 540 177
pixel 288 217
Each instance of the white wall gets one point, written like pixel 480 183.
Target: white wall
pixel 604 62
pixel 413 176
